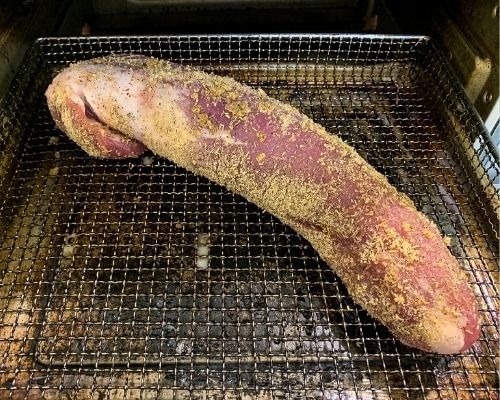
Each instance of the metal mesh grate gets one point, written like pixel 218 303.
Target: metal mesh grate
pixel 101 294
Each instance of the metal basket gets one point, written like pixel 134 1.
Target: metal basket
pixel 100 292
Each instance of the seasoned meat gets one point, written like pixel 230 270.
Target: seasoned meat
pixel 391 257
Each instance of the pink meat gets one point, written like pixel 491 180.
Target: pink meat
pixel 391 258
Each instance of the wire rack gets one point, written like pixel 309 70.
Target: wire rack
pixel 101 291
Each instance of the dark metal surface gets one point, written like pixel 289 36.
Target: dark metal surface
pixel 469 34
pixel 21 22
pixel 102 292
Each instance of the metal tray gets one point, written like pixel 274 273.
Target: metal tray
pixel 101 294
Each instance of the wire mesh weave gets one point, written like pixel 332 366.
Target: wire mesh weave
pixel 101 291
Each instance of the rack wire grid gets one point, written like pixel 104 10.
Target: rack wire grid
pixel 102 294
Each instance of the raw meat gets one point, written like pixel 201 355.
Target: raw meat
pixel 391 257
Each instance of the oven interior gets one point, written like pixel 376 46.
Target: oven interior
pixel 102 292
